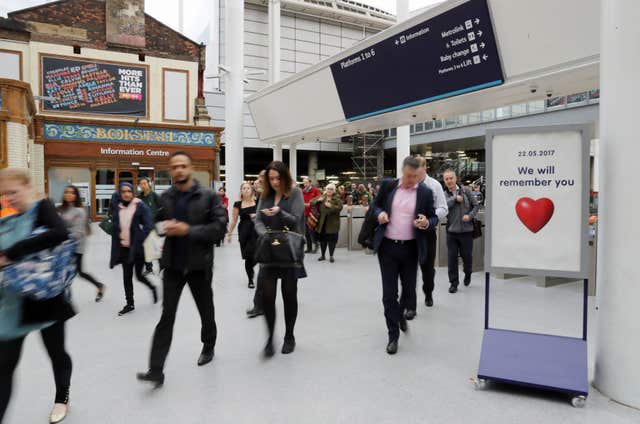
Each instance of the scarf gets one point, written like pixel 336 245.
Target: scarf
pixel 126 213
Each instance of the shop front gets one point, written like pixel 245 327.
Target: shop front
pixel 96 156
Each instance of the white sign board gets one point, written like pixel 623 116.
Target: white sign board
pixel 537 202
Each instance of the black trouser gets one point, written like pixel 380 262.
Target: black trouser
pixel 10 351
pixel 459 244
pixel 328 240
pixel 249 264
pixel 84 275
pixel 310 236
pixel 428 268
pixel 127 275
pixel 268 279
pixel 397 260
pixel 172 283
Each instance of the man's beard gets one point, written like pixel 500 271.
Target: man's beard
pixel 184 180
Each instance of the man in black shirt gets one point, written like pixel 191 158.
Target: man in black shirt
pixel 193 218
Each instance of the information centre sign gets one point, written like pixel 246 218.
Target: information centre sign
pixel 537 201
pixel 448 55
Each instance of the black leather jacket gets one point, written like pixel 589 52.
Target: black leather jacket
pixel 207 221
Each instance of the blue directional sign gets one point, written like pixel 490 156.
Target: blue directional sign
pixel 448 55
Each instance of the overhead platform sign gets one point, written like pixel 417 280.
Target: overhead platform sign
pixel 445 56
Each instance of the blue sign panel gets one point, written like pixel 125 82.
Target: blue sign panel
pixel 117 134
pixel 450 54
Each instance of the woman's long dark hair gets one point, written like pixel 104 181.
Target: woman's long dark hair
pixel 286 181
pixel 77 203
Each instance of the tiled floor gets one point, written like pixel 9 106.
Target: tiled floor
pixel 339 372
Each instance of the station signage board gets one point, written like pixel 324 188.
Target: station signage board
pixel 537 201
pixel 448 55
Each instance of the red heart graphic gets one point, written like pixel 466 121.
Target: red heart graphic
pixel 534 214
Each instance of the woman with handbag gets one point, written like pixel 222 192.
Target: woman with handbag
pixel 280 224
pixel 245 210
pixel 328 226
pixel 131 224
pixel 75 216
pixel 21 315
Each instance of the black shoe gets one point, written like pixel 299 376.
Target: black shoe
pixel 206 356
pixel 322 258
pixel 392 347
pixel 331 259
pixel 251 285
pixel 154 292
pixel 156 378
pixel 100 294
pixel 429 302
pixel 403 325
pixel 268 350
pixel 410 314
pixel 467 279
pixel 127 309
pixel 254 312
pixel 453 288
pixel 289 345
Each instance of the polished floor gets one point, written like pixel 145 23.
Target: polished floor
pixel 339 372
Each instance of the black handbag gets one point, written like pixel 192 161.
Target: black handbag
pixel 280 248
pixel 106 225
pixel 477 229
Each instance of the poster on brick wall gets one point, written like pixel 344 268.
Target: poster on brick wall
pixel 86 86
pixel 125 22
pixel 537 201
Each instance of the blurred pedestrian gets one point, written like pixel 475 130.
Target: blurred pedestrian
pixel 132 224
pixel 310 192
pixel 75 216
pixel 21 315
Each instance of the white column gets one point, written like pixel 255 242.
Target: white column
pixel 277 151
pixel 274 41
pixel 213 46
pixel 234 94
pixel 274 56
pixel 617 372
pixel 181 16
pixel 403 137
pixel 293 161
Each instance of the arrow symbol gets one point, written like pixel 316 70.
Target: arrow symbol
pixel 482 45
pixel 485 57
pixel 477 21
pixel 480 33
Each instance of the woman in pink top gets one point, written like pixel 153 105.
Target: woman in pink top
pixel 132 224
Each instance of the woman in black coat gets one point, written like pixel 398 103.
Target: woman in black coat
pixel 132 224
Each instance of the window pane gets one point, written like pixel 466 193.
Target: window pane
pixel 519 109
pixel 60 177
pixel 503 112
pixel 489 115
pixel 163 181
pixel 537 106
pixel 105 186
pixel 420 127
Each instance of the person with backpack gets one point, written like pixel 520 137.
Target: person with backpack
pixel 151 199
pixel 75 216
pixel 20 315
pixel 463 208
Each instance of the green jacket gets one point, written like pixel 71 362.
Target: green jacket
pixel 329 216
pixel 151 201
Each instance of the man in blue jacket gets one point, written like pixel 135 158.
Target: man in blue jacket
pixel 405 210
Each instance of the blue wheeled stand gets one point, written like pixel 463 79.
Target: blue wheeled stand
pixel 541 361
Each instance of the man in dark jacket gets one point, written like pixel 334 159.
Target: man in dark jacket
pixel 405 212
pixel 463 207
pixel 193 218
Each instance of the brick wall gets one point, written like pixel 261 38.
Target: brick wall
pixel 83 22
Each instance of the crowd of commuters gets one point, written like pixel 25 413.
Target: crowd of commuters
pixel 274 220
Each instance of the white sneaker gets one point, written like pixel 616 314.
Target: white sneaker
pixel 58 413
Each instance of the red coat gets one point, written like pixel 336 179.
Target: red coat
pixel 308 196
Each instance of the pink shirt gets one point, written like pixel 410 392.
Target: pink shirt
pixel 403 213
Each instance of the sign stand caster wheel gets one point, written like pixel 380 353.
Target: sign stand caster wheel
pixel 479 384
pixel 578 401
